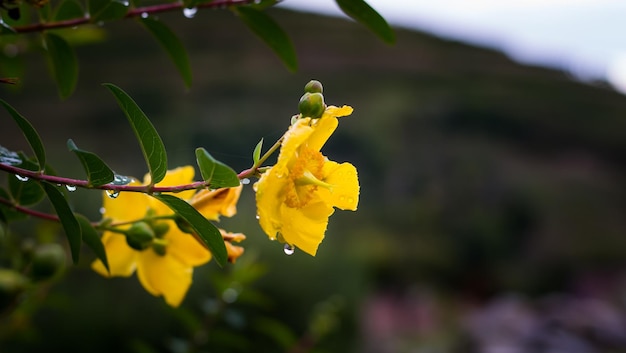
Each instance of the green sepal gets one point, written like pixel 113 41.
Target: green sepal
pixel 67 218
pixel 216 173
pixel 361 12
pixel 172 45
pixel 206 232
pixel 30 133
pixel 149 140
pixel 63 63
pixel 271 33
pixel 92 239
pixel 98 172
pixel 256 155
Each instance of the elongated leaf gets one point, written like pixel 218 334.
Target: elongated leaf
pixel 67 218
pixel 256 155
pixel 98 173
pixel 218 174
pixel 269 31
pixel 149 140
pixel 107 10
pixel 172 46
pixel 206 231
pixel 30 133
pixel 361 12
pixel 26 192
pixel 92 239
pixel 63 62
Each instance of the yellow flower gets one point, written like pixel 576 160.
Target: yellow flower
pixel 296 196
pixel 165 266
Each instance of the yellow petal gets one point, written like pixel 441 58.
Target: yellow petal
pixel 122 258
pixel 185 248
pixel 297 134
pixel 128 206
pixel 164 275
pixel 305 227
pixel 174 177
pixel 344 192
pixel 269 198
pixel 213 203
pixel 326 125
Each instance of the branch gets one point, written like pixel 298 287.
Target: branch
pixel 137 12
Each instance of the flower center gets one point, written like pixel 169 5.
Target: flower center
pixel 304 178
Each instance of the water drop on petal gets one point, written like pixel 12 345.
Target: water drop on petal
pixel 21 177
pixel 289 249
pixel 113 193
pixel 102 210
pixel 70 188
pixel 257 217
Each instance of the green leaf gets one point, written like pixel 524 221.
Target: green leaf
pixel 107 10
pixel 67 218
pixel 149 140
pixel 172 46
pixel 9 213
pixel 216 173
pixel 269 31
pixel 361 12
pixel 256 155
pixel 98 173
pixel 206 231
pixel 26 192
pixel 68 9
pixel 92 239
pixel 30 133
pixel 63 62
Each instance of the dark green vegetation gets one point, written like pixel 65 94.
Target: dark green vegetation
pixel 478 175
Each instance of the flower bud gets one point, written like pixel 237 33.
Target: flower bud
pixel 48 260
pixel 159 246
pixel 314 86
pixel 139 236
pixel 12 283
pixel 160 229
pixel 312 105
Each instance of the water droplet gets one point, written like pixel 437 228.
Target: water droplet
pixel 190 12
pixel 350 200
pixel 144 15
pixel 9 157
pixel 21 177
pixel 289 249
pixel 279 176
pixel 125 3
pixel 113 193
pixel 102 210
pixel 245 181
pixel 257 217
pixel 342 198
pixel 70 188
pixel 121 180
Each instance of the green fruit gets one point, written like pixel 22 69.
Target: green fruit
pixel 314 86
pixel 48 260
pixel 312 105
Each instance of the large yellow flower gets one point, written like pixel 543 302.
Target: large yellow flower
pixel 296 196
pixel 164 267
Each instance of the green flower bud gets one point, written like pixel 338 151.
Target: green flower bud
pixel 314 86
pixel 159 246
pixel 160 229
pixel 312 105
pixel 48 260
pixel 139 236
pixel 12 283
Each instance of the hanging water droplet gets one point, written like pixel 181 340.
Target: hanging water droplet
pixel 245 181
pixel 113 193
pixel 257 217
pixel 289 249
pixel 190 12
pixel 125 3
pixel 21 177
pixel 102 210
pixel 70 188
pixel 144 15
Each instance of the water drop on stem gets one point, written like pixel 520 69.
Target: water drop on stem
pixel 70 188
pixel 113 193
pixel 190 12
pixel 21 177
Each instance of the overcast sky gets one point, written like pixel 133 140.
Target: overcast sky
pixel 584 37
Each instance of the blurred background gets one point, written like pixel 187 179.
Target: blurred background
pixel 491 210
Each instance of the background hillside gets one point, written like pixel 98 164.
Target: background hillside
pixel 479 177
